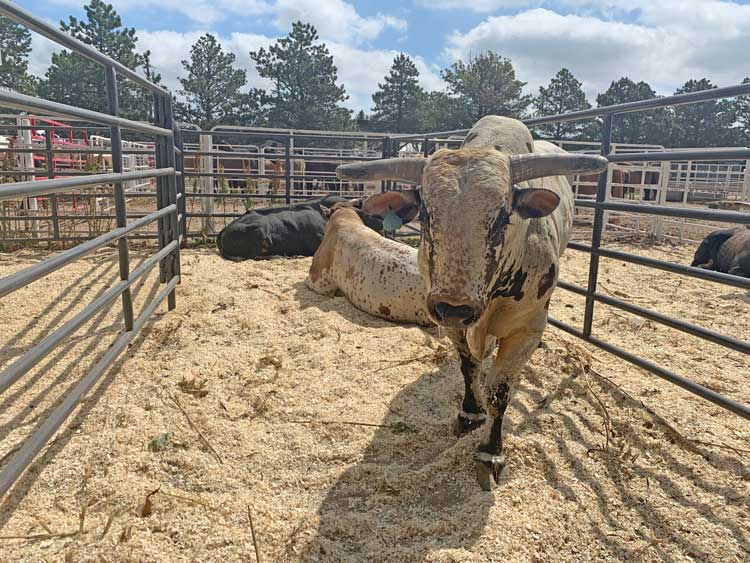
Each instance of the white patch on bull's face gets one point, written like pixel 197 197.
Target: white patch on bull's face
pixel 466 196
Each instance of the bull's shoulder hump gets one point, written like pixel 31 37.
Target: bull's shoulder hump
pixel 545 147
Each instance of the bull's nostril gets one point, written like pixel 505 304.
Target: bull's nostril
pixel 463 313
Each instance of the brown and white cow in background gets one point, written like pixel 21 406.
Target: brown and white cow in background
pixel 587 184
pixel 496 216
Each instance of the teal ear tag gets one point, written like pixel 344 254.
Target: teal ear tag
pixel 392 222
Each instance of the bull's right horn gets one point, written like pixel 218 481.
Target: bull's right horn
pixel 406 170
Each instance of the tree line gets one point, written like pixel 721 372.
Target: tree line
pixel 305 92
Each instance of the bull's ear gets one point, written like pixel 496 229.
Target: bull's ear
pixel 532 203
pixel 405 204
pixel 326 212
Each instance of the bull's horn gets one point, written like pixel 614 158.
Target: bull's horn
pixel 529 166
pixel 407 170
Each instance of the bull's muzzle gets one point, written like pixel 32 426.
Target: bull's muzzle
pixel 449 313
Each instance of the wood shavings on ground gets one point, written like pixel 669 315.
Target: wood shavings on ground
pixel 606 462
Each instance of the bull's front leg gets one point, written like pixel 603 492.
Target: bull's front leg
pixel 500 383
pixel 471 416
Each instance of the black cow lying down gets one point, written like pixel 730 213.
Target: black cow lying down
pixel 297 230
pixel 725 250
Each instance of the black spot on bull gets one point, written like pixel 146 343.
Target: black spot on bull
pixel 546 282
pixel 510 284
pixel 424 220
pixel 292 230
pixel 499 403
pixel 495 239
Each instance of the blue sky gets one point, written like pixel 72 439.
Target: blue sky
pixel 664 42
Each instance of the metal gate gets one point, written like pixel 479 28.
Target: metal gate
pixel 167 217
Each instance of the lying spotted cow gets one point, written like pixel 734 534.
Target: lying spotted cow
pixel 297 230
pixel 496 216
pixel 725 250
pixel 377 275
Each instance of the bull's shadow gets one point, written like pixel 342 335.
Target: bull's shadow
pixel 413 490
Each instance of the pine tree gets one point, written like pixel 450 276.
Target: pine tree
pixel 439 111
pixel 304 93
pixel 74 80
pixel 486 85
pixel 650 127
pixel 706 124
pixel 15 46
pixel 211 93
pixel 148 70
pixel 363 121
pixel 397 99
pixel 564 94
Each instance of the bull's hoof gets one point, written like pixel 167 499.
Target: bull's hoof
pixel 467 422
pixel 488 468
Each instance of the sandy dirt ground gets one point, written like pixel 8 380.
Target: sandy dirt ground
pixel 331 429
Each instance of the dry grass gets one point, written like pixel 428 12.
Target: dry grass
pixel 300 429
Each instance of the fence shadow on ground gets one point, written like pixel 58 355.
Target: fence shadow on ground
pixel 644 478
pixel 26 481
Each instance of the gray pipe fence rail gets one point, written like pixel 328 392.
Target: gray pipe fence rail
pixel 169 213
pixel 292 146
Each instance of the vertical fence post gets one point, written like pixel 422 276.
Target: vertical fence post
pixel 160 159
pixel 661 195
pixel 596 238
pixel 746 182
pixel 167 191
pixel 54 207
pixel 608 195
pixel 174 219
pixel 288 170
pixel 120 214
pixel 26 160
pixel 205 144
pixel 385 154
pixel 426 147
pixel 180 167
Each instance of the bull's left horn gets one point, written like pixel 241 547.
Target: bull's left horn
pixel 407 170
pixel 529 166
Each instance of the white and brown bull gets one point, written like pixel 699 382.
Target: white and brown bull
pixel 496 216
pixel 377 275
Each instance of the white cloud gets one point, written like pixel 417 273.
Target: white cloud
pixel 667 43
pixel 334 19
pixel 204 12
pixel 41 53
pixel 478 5
pixel 170 48
pixel 359 69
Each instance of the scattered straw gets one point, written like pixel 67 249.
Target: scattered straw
pixel 192 425
pixel 255 539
